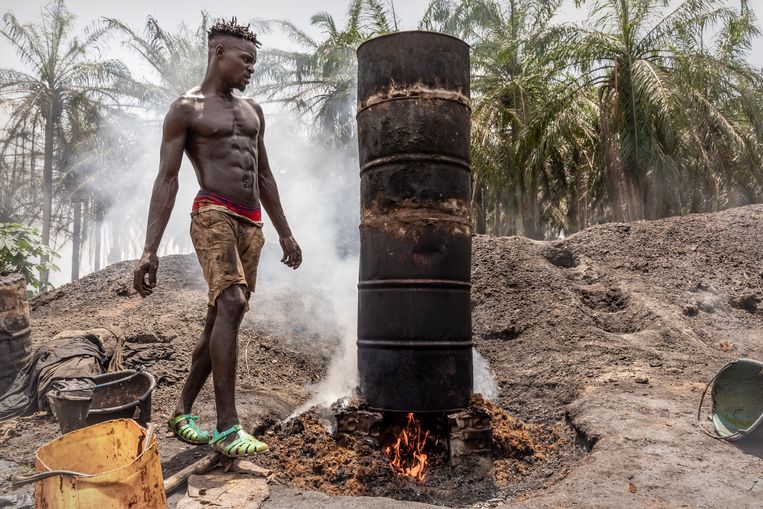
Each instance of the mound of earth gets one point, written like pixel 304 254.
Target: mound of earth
pixel 601 342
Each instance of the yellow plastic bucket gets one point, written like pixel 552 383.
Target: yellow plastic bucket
pixel 121 473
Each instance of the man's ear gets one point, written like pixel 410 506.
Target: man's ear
pixel 219 50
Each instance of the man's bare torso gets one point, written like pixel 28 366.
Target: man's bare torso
pixel 222 144
pixel 222 135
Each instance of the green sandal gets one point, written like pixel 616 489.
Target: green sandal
pixel 188 432
pixel 244 445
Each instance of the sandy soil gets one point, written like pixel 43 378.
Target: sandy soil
pixel 605 338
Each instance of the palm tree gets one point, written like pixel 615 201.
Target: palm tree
pixel 84 127
pixel 527 146
pixel 91 181
pixel 64 77
pixel 178 59
pixel 18 178
pixel 321 79
pixel 678 118
pixel 631 115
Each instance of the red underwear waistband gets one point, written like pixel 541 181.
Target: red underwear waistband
pixel 208 197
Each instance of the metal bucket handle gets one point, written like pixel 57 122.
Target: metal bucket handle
pixel 715 434
pixel 106 384
pixel 136 403
pixel 27 479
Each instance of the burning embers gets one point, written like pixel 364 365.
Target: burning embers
pixel 407 455
pixel 414 444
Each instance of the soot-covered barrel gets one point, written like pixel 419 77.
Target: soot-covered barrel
pixel 414 309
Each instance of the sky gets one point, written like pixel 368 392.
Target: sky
pixel 170 13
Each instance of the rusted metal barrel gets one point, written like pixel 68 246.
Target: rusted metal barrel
pixel 15 341
pixel 414 306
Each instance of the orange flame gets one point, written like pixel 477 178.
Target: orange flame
pixel 407 455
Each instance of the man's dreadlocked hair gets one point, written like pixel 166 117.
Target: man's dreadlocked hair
pixel 232 28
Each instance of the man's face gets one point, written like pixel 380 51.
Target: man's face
pixel 236 58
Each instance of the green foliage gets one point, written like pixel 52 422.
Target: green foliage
pixel 20 247
pixel 67 77
pixel 57 101
pixel 320 79
pixel 178 59
pixel 647 109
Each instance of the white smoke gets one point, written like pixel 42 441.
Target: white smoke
pixel 484 382
pixel 319 189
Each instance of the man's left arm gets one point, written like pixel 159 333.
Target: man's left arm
pixel 271 201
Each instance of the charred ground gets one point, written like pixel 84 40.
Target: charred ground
pixel 601 344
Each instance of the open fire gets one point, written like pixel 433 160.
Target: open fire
pixel 407 455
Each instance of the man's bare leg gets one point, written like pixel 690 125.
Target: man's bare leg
pixel 201 367
pixel 223 352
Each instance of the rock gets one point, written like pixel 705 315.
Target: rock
pixel 245 466
pixel 224 491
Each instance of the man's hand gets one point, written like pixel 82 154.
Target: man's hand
pixel 292 254
pixel 148 264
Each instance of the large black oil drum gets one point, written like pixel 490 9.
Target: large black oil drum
pixel 414 306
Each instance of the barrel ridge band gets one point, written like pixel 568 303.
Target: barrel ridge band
pixel 406 215
pixel 381 222
pixel 414 343
pixel 415 156
pixel 415 92
pixel 394 283
pixel 377 102
pixel 11 335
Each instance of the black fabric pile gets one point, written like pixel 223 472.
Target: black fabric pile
pixel 68 361
pixel 160 357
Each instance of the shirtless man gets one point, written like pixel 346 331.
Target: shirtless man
pixel 222 134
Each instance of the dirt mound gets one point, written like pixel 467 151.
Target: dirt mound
pixel 602 341
pixel 617 329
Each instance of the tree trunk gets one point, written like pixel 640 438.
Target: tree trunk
pixel 519 219
pixel 573 210
pixel 85 229
pixel 33 166
pixel 47 187
pixel 495 228
pixel 76 237
pixel 97 235
pixel 478 208
pixel 115 253
pixel 530 214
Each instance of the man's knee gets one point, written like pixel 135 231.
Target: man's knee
pixel 232 302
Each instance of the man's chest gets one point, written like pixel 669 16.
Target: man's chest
pixel 221 120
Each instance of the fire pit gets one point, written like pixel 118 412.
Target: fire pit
pixel 413 442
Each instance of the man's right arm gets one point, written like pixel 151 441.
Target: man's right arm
pixel 163 196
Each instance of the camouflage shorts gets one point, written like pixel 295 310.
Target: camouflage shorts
pixel 228 248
